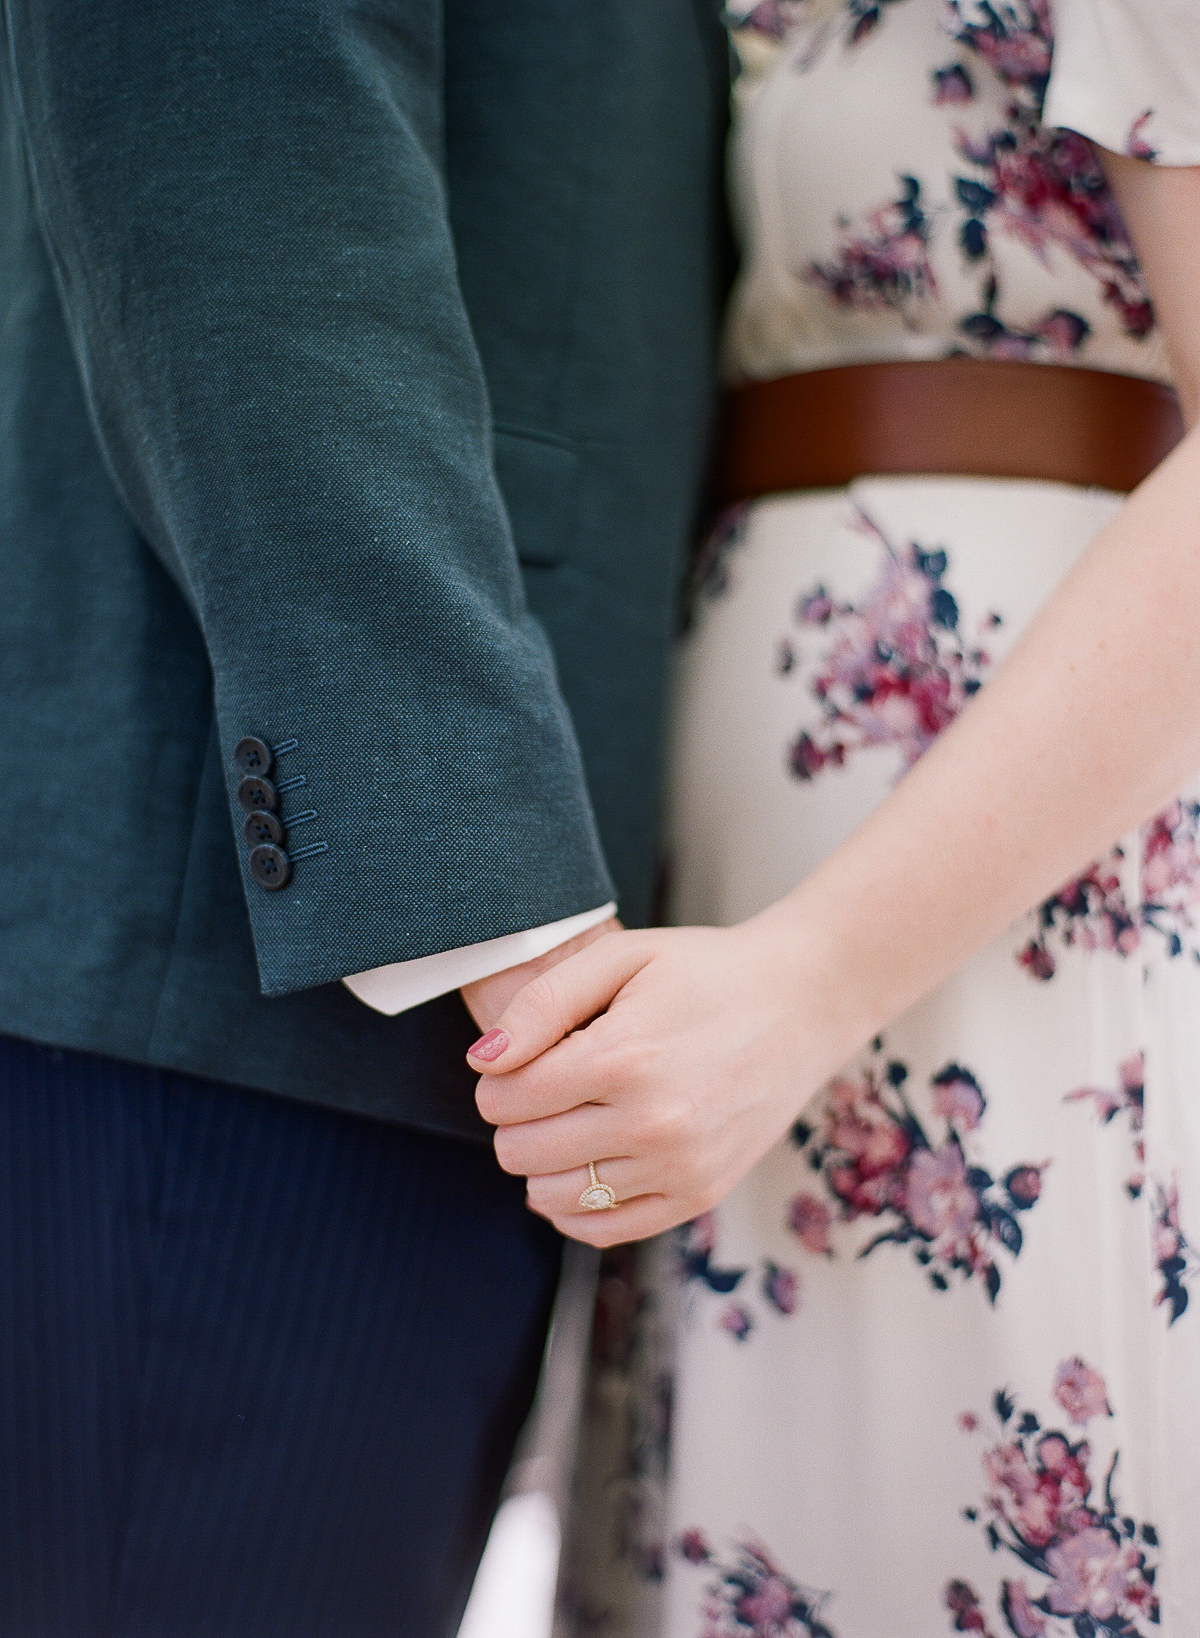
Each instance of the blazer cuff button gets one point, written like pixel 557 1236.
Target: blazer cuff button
pixel 254 793
pixel 253 756
pixel 270 866
pixel 262 826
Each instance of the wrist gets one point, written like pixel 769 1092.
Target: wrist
pixel 836 992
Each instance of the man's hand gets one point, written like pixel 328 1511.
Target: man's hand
pixel 487 997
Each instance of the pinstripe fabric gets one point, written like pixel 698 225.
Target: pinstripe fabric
pixel 261 1364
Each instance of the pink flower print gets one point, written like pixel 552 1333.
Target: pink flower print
pixel 1064 1477
pixel 884 261
pixel 1063 331
pixel 877 1159
pixel 694 1547
pixel 941 1203
pixel 1136 146
pixel 781 1288
pixel 1171 873
pixel 697 1242
pixel 1097 1562
pixel 1045 188
pixel 806 758
pixel 816 609
pixel 711 573
pixel 1024 1185
pixel 968 1421
pixel 1080 1391
pixel 1128 1098
pixel 1132 1075
pixel 963 1603
pixel 1169 855
pixel 873 1147
pixel 1089 913
pixel 767 1607
pixel 951 85
pixel 1042 186
pixel 1137 313
pixel 772 18
pixel 1019 1611
pixel 737 1321
pixel 809 1220
pixel 1017 58
pixel 897 671
pixel 1014 40
pixel 1037 960
pixel 1091 1575
pixel 1173 1257
pixel 1040 1490
pixel 751 1597
pixel 957 1098
pixel 864 1193
pixel 702 1234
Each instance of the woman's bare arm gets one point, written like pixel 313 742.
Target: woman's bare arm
pixel 709 1041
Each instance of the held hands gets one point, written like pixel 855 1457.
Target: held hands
pixel 486 998
pixel 671 1059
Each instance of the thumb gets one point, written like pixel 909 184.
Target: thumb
pixel 558 1001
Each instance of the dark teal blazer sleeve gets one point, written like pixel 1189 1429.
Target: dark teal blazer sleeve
pixel 245 209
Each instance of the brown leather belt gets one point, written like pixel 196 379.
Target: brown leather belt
pixel 983 418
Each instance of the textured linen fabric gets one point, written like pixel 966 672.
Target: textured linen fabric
pixel 318 424
pixel 346 553
pixel 261 1365
pixel 932 1367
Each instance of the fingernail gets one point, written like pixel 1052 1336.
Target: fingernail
pixel 489 1047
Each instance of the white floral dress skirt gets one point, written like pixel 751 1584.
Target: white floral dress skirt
pixel 936 1356
pixel 934 1366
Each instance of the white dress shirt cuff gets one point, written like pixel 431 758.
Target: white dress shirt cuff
pixel 404 984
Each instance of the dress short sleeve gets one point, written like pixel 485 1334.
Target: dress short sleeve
pixel 1126 73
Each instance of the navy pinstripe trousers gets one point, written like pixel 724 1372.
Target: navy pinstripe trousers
pixel 261 1364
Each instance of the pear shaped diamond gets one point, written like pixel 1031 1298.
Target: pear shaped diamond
pixel 597 1197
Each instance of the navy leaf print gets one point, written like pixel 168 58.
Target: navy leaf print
pixel 972 237
pixel 698 1266
pixel 978 199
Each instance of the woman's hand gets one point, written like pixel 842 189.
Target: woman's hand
pixel 702 1046
pixel 713 1041
pixel 486 998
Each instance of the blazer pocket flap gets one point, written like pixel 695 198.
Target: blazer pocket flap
pixel 539 479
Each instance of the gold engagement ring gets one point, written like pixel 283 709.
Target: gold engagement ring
pixel 597 1196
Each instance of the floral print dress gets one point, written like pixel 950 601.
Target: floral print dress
pixel 934 1366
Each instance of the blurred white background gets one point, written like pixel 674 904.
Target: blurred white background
pixel 513 1595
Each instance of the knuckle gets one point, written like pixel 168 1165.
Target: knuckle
pixel 639 1062
pixel 665 1125
pixel 541 997
pixel 507 1146
pixel 489 1100
pixel 541 1193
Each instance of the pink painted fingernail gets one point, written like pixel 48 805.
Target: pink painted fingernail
pixel 489 1047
